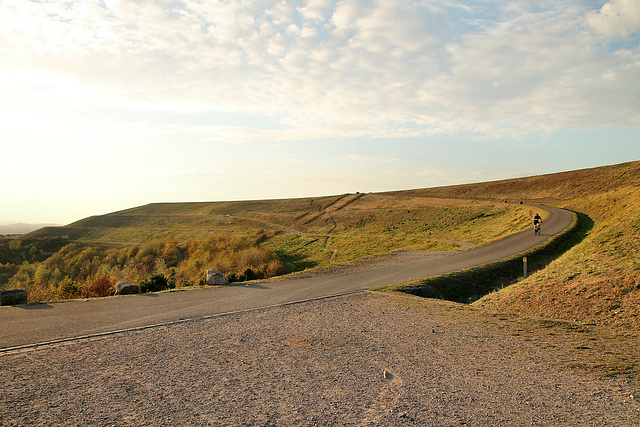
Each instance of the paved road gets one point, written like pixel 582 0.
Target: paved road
pixel 30 324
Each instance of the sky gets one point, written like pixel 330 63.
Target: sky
pixel 111 104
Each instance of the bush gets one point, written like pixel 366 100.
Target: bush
pixel 156 283
pixel 99 287
pixel 248 275
pixel 275 268
pixel 68 289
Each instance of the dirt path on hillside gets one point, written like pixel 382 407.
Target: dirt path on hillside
pixel 360 360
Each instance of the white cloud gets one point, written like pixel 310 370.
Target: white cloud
pixel 317 9
pixel 617 19
pixel 336 69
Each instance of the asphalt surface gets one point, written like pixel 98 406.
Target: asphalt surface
pixel 32 324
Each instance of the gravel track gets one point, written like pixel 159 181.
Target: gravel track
pixel 360 360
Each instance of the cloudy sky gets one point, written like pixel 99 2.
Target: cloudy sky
pixel 109 104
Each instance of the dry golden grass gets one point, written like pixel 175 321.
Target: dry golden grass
pixel 350 226
pixel 598 280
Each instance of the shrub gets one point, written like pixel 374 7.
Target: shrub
pixel 248 274
pixel 156 283
pixel 68 289
pixel 99 287
pixel 275 268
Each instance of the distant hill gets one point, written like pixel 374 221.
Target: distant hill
pixel 20 227
pixel 318 215
pixel 554 188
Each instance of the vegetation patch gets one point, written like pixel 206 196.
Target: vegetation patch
pixel 81 271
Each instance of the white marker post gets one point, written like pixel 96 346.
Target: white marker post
pixel 524 260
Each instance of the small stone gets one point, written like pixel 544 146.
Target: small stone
pixel 125 288
pixel 216 278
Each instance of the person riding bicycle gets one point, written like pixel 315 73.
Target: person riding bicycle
pixel 536 223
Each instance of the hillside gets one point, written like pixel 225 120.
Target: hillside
pixel 167 245
pixel 343 227
pixel 597 280
pixel 553 189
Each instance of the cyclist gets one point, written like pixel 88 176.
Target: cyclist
pixel 536 223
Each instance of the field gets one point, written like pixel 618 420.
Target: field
pixel 596 280
pixel 375 218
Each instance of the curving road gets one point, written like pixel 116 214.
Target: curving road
pixel 32 324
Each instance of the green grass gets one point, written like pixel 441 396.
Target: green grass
pixel 299 252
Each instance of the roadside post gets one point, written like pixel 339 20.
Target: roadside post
pixel 524 260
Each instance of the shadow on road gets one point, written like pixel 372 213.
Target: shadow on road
pixel 470 285
pixel 35 306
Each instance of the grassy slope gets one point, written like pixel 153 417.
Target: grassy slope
pixel 349 226
pixel 597 280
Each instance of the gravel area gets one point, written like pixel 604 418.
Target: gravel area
pixel 359 360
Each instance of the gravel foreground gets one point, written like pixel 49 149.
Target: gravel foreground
pixel 363 359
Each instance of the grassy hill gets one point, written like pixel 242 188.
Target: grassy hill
pixel 597 280
pixel 245 240
pixel 312 230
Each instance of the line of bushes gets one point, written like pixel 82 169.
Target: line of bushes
pixel 468 285
pixel 80 271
